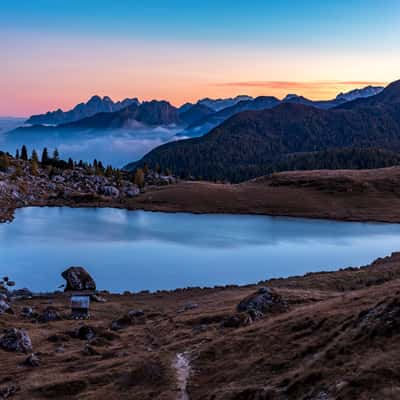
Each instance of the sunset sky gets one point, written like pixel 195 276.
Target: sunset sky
pixel 56 53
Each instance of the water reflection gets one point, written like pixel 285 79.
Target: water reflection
pixel 145 250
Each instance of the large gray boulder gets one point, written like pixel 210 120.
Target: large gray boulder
pixel 16 340
pixel 78 279
pixel 264 300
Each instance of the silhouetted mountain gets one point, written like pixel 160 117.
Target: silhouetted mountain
pixel 220 104
pixel 193 113
pixel 95 105
pixel 253 143
pixel 368 91
pixel 150 113
pixel 204 125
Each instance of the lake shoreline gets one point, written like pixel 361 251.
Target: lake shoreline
pixel 342 195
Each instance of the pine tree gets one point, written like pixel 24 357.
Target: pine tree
pixel 24 153
pixel 45 156
pixel 17 154
pixel 145 169
pixel 70 163
pixel 56 155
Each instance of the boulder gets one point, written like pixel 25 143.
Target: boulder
pixel 27 312
pixel 50 314
pixel 111 191
pixel 85 332
pixel 22 294
pixel 5 307
pixel 78 279
pixel 263 301
pixel 135 313
pixel 32 360
pixel 16 340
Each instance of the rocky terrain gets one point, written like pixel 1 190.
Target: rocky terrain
pixel 21 186
pixel 322 336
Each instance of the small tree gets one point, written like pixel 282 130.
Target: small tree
pixel 109 171
pixel 35 157
pixel 17 154
pixel 4 162
pixel 145 168
pixel 139 178
pixel 70 163
pixel 24 153
pixel 56 155
pixel 45 156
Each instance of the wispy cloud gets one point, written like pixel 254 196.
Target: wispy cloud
pixel 298 85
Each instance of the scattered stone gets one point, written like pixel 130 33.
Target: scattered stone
pixel 5 308
pixel 190 306
pixel 27 312
pixel 22 294
pixel 32 360
pixel 16 340
pixel 136 313
pixel 50 314
pixel 7 392
pixel 121 323
pixel 110 191
pixel 85 332
pixel 263 301
pixel 60 349
pixel 78 279
pixel 98 299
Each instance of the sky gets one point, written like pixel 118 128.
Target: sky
pixel 56 53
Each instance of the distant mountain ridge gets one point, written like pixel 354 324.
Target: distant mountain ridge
pixel 196 119
pixel 93 106
pixel 205 124
pixel 253 143
pixel 148 113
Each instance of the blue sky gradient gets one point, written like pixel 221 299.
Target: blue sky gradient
pixel 199 41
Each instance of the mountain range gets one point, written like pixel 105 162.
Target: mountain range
pixel 252 143
pixel 94 105
pixel 194 119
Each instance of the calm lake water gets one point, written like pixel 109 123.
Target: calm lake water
pixel 136 250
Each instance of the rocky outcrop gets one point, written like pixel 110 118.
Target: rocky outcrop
pixel 263 301
pixel 16 340
pixel 78 279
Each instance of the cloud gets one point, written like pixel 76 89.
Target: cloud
pixel 297 85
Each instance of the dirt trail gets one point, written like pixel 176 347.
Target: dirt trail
pixel 182 368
